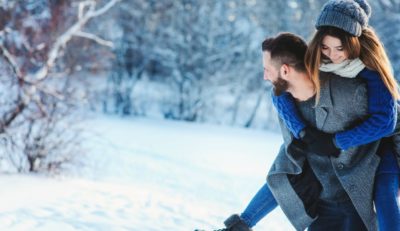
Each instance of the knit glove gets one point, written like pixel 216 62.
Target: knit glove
pixel 288 112
pixel 297 148
pixel 320 143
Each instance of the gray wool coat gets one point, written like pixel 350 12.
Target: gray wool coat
pixel 343 103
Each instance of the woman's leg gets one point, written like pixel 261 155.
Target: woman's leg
pixel 261 204
pixel 386 190
pixel 386 201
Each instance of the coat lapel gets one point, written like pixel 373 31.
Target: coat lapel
pixel 325 102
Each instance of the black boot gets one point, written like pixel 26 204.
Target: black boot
pixel 233 223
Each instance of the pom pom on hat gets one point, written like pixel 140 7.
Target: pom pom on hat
pixel 365 6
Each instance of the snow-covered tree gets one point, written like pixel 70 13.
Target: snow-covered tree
pixel 39 97
pixel 205 57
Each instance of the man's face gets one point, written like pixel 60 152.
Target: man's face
pixel 272 74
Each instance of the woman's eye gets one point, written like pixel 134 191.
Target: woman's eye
pixel 324 48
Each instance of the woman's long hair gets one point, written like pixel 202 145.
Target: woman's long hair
pixel 367 47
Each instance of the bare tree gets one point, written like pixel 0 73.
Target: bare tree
pixel 42 97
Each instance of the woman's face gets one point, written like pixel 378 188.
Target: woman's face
pixel 332 48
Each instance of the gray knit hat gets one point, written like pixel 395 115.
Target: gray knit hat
pixel 349 15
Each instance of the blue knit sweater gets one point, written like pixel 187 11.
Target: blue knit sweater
pixel 381 108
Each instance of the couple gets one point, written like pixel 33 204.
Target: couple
pixel 336 101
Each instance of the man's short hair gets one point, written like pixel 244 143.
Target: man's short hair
pixel 286 48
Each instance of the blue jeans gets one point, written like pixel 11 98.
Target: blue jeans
pixel 386 188
pixel 337 216
pixel 261 204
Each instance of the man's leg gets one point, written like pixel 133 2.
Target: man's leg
pixel 330 217
pixel 353 220
pixel 337 216
pixel 261 204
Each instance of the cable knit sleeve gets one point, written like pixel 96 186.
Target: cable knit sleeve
pixel 288 112
pixel 382 110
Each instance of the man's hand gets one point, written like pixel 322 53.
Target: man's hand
pixel 320 143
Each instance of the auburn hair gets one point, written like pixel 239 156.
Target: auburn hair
pixel 367 48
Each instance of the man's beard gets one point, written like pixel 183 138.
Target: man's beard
pixel 280 85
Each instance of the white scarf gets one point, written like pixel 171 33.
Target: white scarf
pixel 348 68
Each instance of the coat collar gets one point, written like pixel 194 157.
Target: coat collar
pixel 325 99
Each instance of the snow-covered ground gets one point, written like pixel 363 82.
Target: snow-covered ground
pixel 146 175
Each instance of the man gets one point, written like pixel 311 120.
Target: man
pixel 347 181
pixel 319 192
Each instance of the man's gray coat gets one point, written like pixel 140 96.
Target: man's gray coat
pixel 343 103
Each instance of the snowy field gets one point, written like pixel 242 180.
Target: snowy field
pixel 147 175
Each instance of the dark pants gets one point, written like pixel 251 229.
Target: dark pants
pixel 337 216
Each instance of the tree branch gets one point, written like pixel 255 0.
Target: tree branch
pixel 61 41
pixel 104 9
pixel 11 60
pixel 12 115
pixel 95 38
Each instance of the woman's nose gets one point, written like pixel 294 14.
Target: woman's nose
pixel 265 75
pixel 332 55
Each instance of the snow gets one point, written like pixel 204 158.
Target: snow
pixel 151 175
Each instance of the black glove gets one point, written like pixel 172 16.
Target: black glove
pixel 320 143
pixel 297 148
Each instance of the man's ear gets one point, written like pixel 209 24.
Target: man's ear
pixel 284 71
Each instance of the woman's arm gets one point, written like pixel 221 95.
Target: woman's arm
pixel 381 107
pixel 382 110
pixel 288 112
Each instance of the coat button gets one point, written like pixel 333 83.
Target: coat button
pixel 340 166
